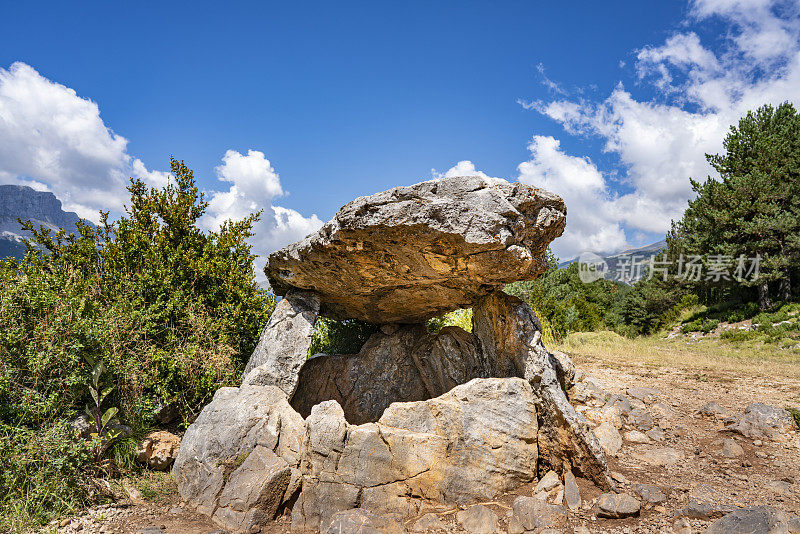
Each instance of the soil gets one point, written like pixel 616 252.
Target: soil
pixel 766 473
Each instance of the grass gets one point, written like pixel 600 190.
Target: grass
pixel 709 355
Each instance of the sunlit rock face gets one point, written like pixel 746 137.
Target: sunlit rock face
pixel 411 253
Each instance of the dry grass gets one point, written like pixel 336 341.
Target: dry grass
pixel 709 355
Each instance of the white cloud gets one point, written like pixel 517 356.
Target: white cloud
pixel 254 185
pixel 50 138
pixel 591 224
pixel 698 93
pixel 462 168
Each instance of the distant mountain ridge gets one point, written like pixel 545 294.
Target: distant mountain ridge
pixel 40 207
pixel 615 264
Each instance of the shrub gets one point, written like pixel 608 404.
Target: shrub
pixel 171 311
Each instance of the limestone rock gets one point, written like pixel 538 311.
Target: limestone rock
pixel 534 515
pixel 428 523
pixel 510 336
pixel 649 493
pixel 225 435
pixel 283 346
pixel 609 438
pixel 658 457
pixel 453 448
pixel 731 449
pixel 408 364
pixel 549 481
pixel 411 253
pixel 617 505
pixel 762 421
pixel 703 510
pixel 634 436
pixel 254 491
pixel 762 519
pixel 712 409
pixel 158 450
pixel 359 521
pixel 572 495
pixel 478 519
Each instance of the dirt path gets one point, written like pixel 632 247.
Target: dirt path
pixel 764 473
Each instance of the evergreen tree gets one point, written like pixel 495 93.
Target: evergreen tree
pixel 755 208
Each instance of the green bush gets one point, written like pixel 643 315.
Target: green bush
pixel 739 336
pixel 170 310
pixel 340 337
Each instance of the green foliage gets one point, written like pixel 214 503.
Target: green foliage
pixel 459 318
pixel 566 303
pixel 164 311
pixel 340 337
pixel 755 208
pixel 795 415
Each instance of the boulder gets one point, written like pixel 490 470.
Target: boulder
pixel 409 364
pixel 158 450
pixel 609 438
pixel 712 409
pixel 411 253
pixel 248 438
pixel 649 493
pixel 284 343
pixel 470 444
pixel 762 519
pixel 762 421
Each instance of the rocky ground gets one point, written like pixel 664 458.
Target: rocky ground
pixel 678 464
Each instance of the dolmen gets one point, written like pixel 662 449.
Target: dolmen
pixel 415 419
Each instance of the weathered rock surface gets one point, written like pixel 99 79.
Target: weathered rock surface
pixel 649 493
pixel 617 505
pixel 510 336
pixel 358 521
pixel 158 450
pixel 410 253
pixel 762 421
pixel 247 438
pixel 283 346
pixel 572 495
pixel 409 364
pixel 760 519
pixel 530 514
pixel 472 443
pixel 478 519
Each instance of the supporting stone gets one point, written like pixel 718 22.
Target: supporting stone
pixel 284 343
pixel 408 364
pixel 239 461
pixel 510 334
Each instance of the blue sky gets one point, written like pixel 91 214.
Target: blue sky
pixel 298 108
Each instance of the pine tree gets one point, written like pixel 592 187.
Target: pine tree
pixel 755 208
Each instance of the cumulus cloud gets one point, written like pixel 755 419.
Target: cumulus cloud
pixel 661 142
pixel 52 139
pixel 254 185
pixel 590 218
pixel 462 168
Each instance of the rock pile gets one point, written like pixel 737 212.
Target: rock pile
pixel 414 418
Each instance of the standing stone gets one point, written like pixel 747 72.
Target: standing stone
pixel 510 336
pixel 411 253
pixel 284 343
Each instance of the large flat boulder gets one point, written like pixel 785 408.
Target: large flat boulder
pixel 470 444
pixel 411 253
